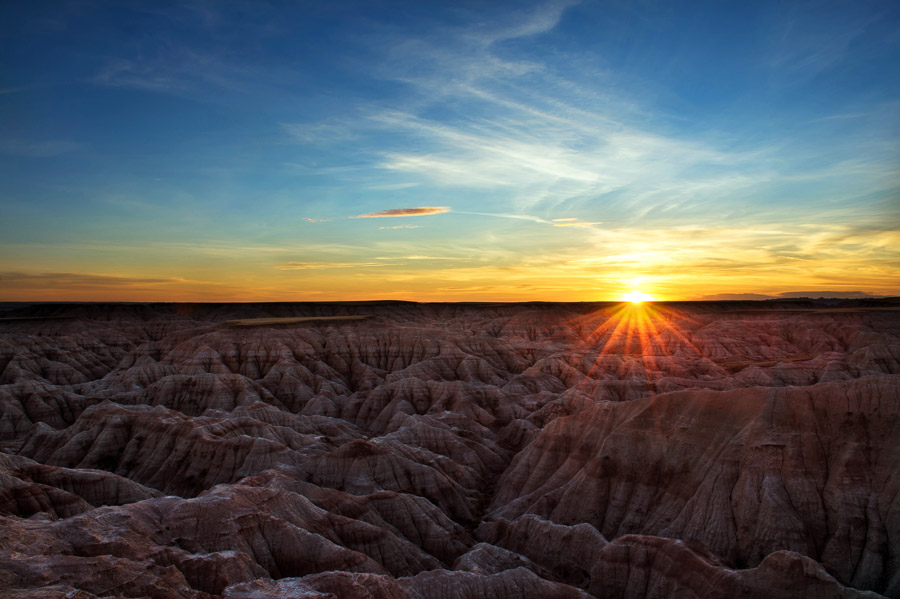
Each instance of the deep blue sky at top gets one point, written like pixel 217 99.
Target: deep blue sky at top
pixel 199 125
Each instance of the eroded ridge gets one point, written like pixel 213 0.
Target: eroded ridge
pixel 401 450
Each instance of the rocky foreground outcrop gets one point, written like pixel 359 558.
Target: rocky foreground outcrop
pixel 450 450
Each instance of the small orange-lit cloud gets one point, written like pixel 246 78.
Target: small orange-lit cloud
pixel 403 227
pixel 395 212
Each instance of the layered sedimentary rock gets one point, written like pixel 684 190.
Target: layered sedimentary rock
pixel 450 450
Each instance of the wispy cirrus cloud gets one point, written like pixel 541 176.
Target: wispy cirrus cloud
pixel 538 19
pixel 519 135
pixel 39 149
pixel 320 133
pixel 542 141
pixel 12 90
pixel 400 212
pixel 561 158
pixel 168 64
pixel 538 141
pixel 159 76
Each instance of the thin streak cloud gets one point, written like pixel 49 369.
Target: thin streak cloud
pixel 578 224
pixel 327 265
pixel 82 279
pixel 534 219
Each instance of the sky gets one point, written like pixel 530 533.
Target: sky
pixel 448 151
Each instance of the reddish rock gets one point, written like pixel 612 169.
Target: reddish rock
pixel 451 450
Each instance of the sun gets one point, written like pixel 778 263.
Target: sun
pixel 636 297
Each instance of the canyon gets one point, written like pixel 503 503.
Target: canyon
pixel 394 450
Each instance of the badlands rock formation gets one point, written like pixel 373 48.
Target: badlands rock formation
pixel 441 451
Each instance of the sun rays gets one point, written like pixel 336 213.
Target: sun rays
pixel 635 340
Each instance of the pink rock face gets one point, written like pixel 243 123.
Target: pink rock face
pixel 451 451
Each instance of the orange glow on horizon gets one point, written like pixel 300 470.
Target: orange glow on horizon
pixel 637 297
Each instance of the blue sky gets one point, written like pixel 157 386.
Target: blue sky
pixel 556 150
